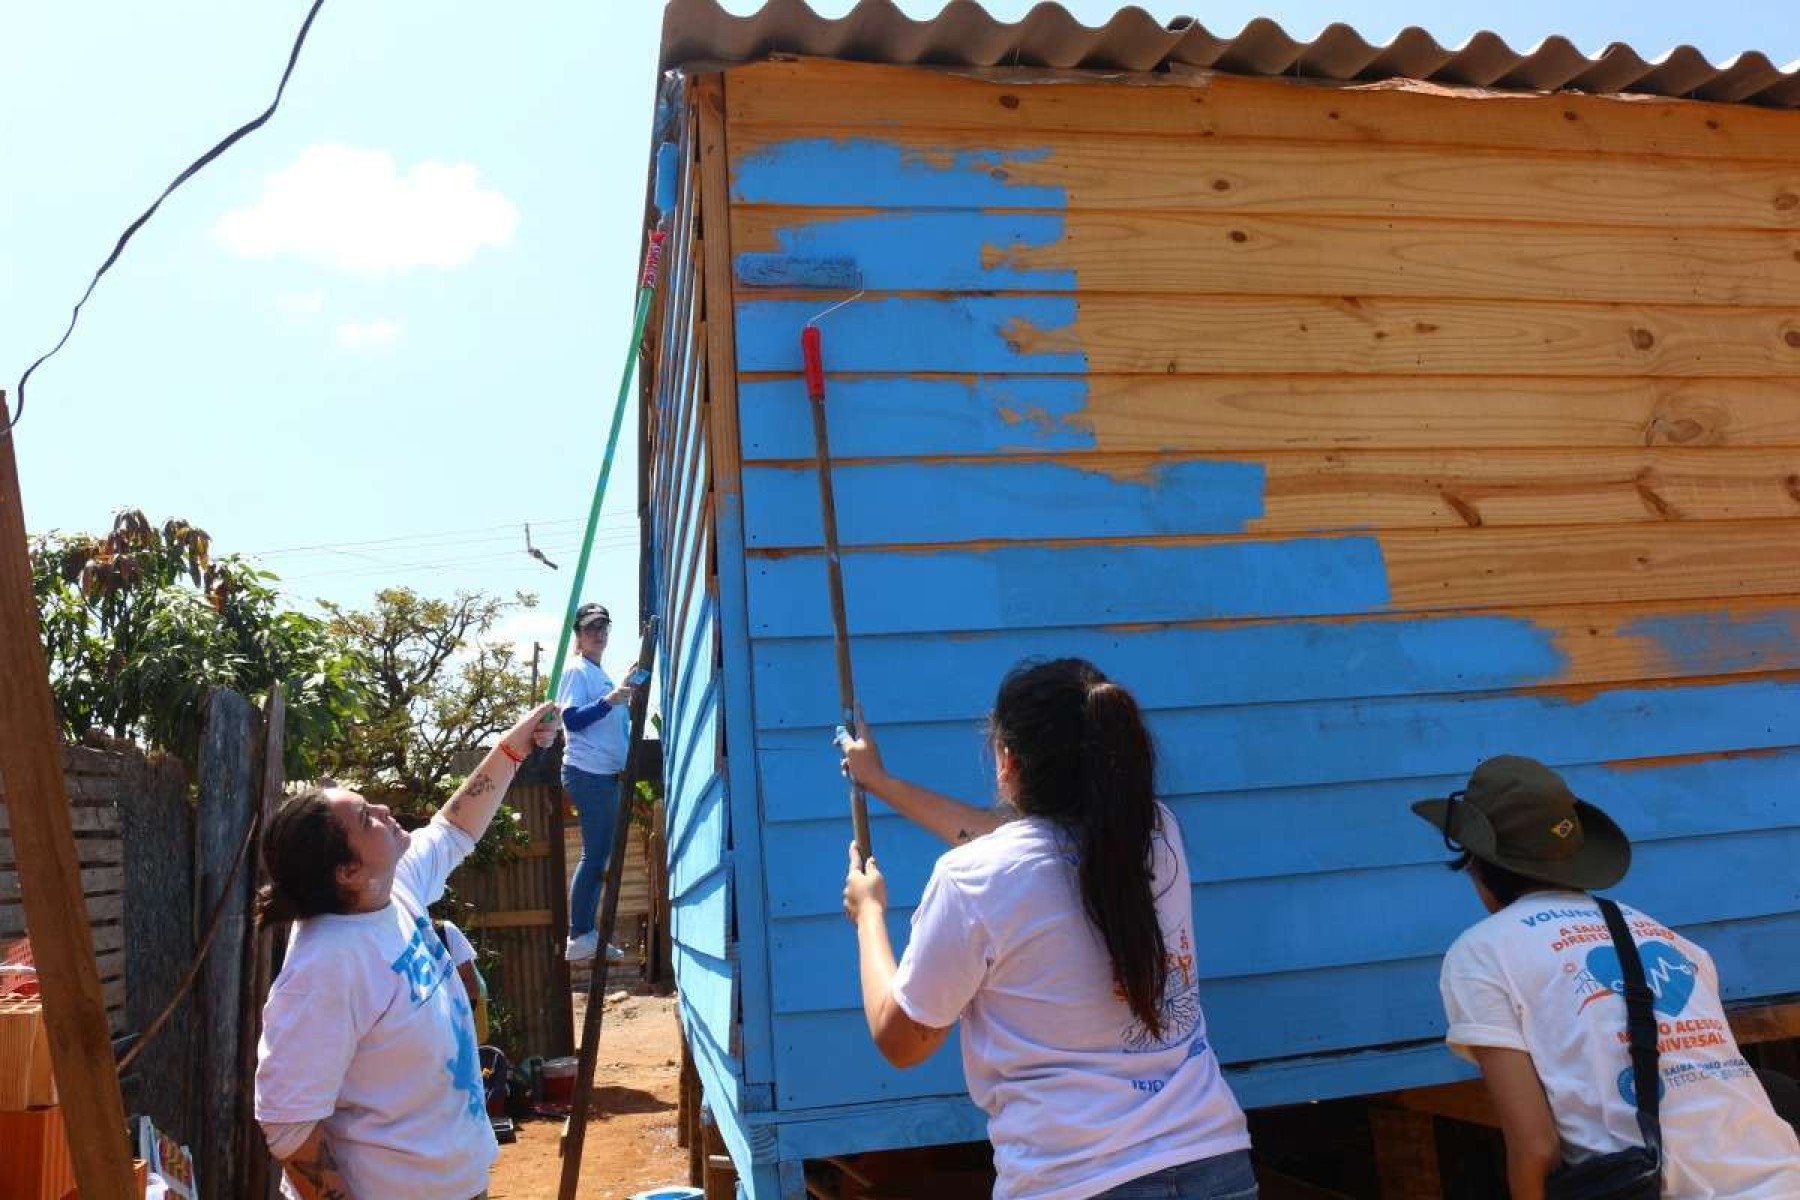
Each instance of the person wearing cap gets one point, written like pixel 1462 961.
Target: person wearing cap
pixel 594 714
pixel 1534 998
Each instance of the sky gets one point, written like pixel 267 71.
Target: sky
pixel 384 333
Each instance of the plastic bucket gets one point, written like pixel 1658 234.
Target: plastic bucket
pixel 558 1075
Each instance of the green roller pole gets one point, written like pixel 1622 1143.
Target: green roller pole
pixel 646 293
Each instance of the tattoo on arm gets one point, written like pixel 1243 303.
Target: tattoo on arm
pixel 322 1172
pixel 963 835
pixel 478 785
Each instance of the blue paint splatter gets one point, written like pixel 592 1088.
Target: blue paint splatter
pixel 905 416
pixel 967 334
pixel 920 251
pixel 1714 643
pixel 873 172
pixel 465 1068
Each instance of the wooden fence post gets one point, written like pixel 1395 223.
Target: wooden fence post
pixel 49 874
pixel 261 1178
pixel 227 806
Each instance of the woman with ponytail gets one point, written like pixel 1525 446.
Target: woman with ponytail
pixel 1059 931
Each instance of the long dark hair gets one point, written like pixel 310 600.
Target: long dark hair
pixel 302 848
pixel 1086 762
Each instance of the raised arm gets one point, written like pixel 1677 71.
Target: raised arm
pixel 950 819
pixel 475 802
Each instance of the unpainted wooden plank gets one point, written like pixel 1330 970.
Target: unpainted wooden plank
pixel 1146 495
pixel 95 881
pixel 827 163
pixel 1203 105
pixel 887 416
pixel 1307 335
pixel 101 851
pixel 1157 253
pixel 84 820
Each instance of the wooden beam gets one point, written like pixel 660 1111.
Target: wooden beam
pixel 521 918
pixel 1468 1100
pixel 1161 253
pixel 38 808
pixel 1215 109
pixel 262 1178
pixel 780 164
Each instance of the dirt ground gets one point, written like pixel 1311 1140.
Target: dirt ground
pixel 630 1144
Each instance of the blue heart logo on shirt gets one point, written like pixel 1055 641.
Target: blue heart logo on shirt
pixel 1670 975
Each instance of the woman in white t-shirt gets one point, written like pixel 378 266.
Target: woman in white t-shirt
pixel 1534 997
pixel 1060 934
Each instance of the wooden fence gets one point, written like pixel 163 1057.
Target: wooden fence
pixel 518 911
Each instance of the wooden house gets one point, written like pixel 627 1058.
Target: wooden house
pixel 1366 410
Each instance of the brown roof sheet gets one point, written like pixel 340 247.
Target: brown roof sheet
pixel 964 34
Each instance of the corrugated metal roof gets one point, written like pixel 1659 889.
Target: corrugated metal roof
pixel 964 34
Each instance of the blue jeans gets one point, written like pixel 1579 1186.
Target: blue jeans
pixel 1226 1177
pixel 596 799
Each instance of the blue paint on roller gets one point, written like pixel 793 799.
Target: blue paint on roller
pixel 798 271
pixel 868 171
pixel 964 334
pixel 918 251
pixel 668 177
pixel 1717 643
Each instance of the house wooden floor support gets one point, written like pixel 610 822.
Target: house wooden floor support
pixel 49 873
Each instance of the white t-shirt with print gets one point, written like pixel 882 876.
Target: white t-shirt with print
pixel 368 1030
pixel 1542 976
pixel 600 748
pixel 1080 1096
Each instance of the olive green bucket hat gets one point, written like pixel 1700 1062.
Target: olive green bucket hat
pixel 1519 814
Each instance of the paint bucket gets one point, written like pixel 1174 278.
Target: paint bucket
pixel 558 1075
pixel 670 1193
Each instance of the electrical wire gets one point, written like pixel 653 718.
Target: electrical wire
pixel 493 532
pixel 193 169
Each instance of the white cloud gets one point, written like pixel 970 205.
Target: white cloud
pixel 523 626
pixel 356 211
pixel 302 304
pixel 365 335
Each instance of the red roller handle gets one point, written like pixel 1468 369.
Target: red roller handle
pixel 813 352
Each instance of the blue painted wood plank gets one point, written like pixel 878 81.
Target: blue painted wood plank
pixel 878 173
pixel 697 760
pixel 705 908
pixel 963 334
pixel 721 1085
pixel 914 503
pixel 1315 744
pixel 1037 586
pixel 1243 664
pixel 890 1125
pixel 910 250
pixel 743 791
pixel 901 416
pixel 1340 828
pixel 706 985
pixel 828 1059
pixel 1301 1081
pixel 1261 927
pixel 698 844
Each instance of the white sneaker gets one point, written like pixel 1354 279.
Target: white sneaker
pixel 582 948
pixel 614 954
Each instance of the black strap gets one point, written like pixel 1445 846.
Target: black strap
pixel 1640 1023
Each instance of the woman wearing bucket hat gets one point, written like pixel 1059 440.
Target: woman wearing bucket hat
pixel 1533 997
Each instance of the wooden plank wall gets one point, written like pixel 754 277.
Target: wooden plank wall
pixel 683 535
pixel 1364 433
pixel 97 781
pixel 509 910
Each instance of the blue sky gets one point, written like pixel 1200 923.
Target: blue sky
pixel 389 399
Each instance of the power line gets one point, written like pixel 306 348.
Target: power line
pixel 600 543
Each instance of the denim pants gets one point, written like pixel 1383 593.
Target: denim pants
pixel 1226 1177
pixel 596 799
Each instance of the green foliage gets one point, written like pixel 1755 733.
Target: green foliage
pixel 438 690
pixel 141 623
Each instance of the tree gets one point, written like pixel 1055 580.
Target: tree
pixel 141 623
pixel 438 690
